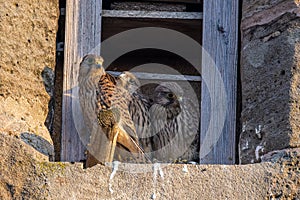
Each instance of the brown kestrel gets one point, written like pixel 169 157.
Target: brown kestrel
pixel 175 125
pixel 103 97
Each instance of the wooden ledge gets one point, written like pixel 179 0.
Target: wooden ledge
pixel 151 14
pixel 169 77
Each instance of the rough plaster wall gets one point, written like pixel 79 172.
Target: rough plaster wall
pixel 26 175
pixel 295 88
pixel 19 178
pixel 270 82
pixel 286 183
pixel 27 46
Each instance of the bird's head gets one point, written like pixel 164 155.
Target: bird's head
pixel 129 81
pixel 168 94
pixel 91 65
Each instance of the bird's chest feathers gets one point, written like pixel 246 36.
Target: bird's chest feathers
pixel 108 117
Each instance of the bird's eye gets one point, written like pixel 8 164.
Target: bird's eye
pixel 91 60
pixel 170 95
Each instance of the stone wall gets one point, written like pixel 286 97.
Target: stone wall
pixel 26 175
pixel 27 47
pixel 270 67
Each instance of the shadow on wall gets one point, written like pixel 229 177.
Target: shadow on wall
pixel 39 144
pixel 33 140
pixel 48 79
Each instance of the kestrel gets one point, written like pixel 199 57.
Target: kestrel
pixel 139 106
pixel 175 124
pixel 102 97
pixel 167 126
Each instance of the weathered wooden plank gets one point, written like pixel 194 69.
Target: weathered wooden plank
pixel 167 77
pixel 173 1
pixel 82 36
pixel 218 107
pixel 151 14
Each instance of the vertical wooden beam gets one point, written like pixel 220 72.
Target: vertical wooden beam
pixel 218 107
pixel 82 36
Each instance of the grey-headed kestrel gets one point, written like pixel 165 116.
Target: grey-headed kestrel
pixel 167 126
pixel 175 124
pixel 104 99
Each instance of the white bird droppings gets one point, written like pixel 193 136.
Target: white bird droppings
pixel 115 166
pixel 185 169
pixel 258 149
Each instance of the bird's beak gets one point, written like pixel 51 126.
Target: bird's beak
pixel 180 99
pixel 99 62
pixel 122 79
pixel 98 66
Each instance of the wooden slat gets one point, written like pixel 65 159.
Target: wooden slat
pixel 151 14
pixel 220 38
pixel 172 1
pixel 82 36
pixel 167 77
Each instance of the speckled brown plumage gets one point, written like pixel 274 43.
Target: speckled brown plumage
pixel 175 125
pixel 168 126
pixel 101 97
pixel 139 106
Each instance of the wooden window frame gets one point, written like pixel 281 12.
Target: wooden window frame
pixel 220 41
